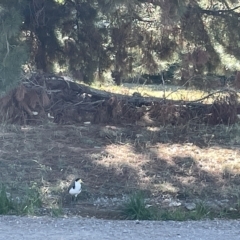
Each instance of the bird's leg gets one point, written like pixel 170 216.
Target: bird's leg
pixel 72 199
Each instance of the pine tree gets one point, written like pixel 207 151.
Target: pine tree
pixel 13 50
pixel 128 38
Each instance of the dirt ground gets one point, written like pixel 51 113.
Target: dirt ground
pixel 23 228
pixel 169 164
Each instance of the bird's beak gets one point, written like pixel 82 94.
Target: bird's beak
pixel 80 181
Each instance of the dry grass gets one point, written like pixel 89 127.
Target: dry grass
pixel 187 162
pixel 170 92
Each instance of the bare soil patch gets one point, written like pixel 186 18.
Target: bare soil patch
pixel 180 163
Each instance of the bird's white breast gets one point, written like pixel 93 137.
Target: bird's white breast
pixel 75 190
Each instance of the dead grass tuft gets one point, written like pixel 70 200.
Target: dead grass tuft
pixel 224 109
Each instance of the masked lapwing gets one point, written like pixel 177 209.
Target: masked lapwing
pixel 75 188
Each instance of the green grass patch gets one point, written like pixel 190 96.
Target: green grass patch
pixel 24 205
pixel 56 211
pixel 135 208
pixel 181 214
pixel 6 205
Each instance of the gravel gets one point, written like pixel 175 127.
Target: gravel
pixel 13 227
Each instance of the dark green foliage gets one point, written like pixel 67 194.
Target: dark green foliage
pixel 13 50
pixel 26 204
pixel 129 38
pixel 135 208
pixel 29 202
pixel 5 204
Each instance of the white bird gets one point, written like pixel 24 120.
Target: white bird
pixel 75 188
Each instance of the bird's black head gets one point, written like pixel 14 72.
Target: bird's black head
pixel 79 180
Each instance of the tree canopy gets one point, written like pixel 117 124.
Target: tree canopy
pixel 130 38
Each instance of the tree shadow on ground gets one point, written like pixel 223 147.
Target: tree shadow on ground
pixel 116 162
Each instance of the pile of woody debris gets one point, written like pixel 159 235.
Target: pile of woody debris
pixel 52 97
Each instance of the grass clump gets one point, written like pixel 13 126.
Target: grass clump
pixel 232 212
pixel 135 208
pixel 29 203
pixel 25 205
pixel 6 205
pixel 180 214
pixel 56 211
